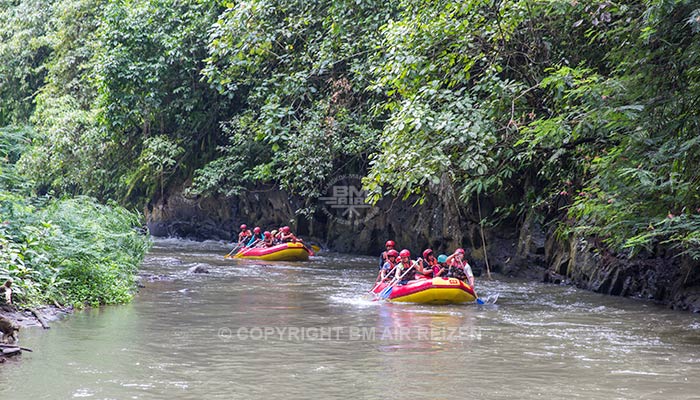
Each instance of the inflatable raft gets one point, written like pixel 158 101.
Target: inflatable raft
pixel 429 291
pixel 280 252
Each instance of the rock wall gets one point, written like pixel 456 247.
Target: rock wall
pixel 438 224
pixel 664 277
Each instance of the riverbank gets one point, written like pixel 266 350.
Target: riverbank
pixel 29 317
pixel 41 316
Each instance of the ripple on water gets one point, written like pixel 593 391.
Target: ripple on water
pixel 84 392
pixel 357 301
pixel 631 372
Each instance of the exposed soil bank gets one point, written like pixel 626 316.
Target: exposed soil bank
pixel 515 248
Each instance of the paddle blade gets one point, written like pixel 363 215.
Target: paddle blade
pixel 385 293
pixel 492 299
pixel 489 300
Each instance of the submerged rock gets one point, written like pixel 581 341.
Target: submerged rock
pixel 153 278
pixel 198 269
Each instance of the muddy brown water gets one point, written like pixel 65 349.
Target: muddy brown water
pixel 307 330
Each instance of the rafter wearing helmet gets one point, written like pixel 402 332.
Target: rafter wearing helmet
pixel 428 265
pixel 460 268
pixel 268 240
pixel 389 264
pixel 442 267
pixel 257 237
pixel 287 235
pixel 390 245
pixel 244 235
pixel 405 269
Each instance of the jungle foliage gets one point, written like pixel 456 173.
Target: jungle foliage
pixel 66 251
pixel 584 112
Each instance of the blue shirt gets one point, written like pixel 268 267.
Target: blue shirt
pixel 253 239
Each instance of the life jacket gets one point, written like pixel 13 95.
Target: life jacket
pixel 289 238
pixel 244 235
pixel 429 269
pixel 407 276
pixel 456 270
pixel 387 267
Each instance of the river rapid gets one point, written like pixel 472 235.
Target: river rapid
pixel 310 330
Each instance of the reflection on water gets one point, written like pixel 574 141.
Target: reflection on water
pixel 300 330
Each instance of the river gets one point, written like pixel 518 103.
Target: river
pixel 308 330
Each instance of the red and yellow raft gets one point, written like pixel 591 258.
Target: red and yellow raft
pixel 430 291
pixel 281 252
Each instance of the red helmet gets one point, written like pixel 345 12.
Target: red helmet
pixel 285 229
pixel 256 230
pixel 405 253
pixel 427 252
pixel 460 251
pixel 392 253
pixel 267 234
pixel 390 243
pixel 244 227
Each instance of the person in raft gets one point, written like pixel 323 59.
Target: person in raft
pixel 389 264
pixel 441 269
pixel 257 237
pixel 268 240
pixel 460 268
pixel 405 269
pixel 428 263
pixel 275 236
pixel 288 236
pixel 383 257
pixel 245 235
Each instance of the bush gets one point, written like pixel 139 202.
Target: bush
pixel 69 251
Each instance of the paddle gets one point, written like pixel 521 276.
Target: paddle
pixel 489 300
pixel 234 249
pixel 379 281
pixel 384 294
pixel 246 249
pixel 308 248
